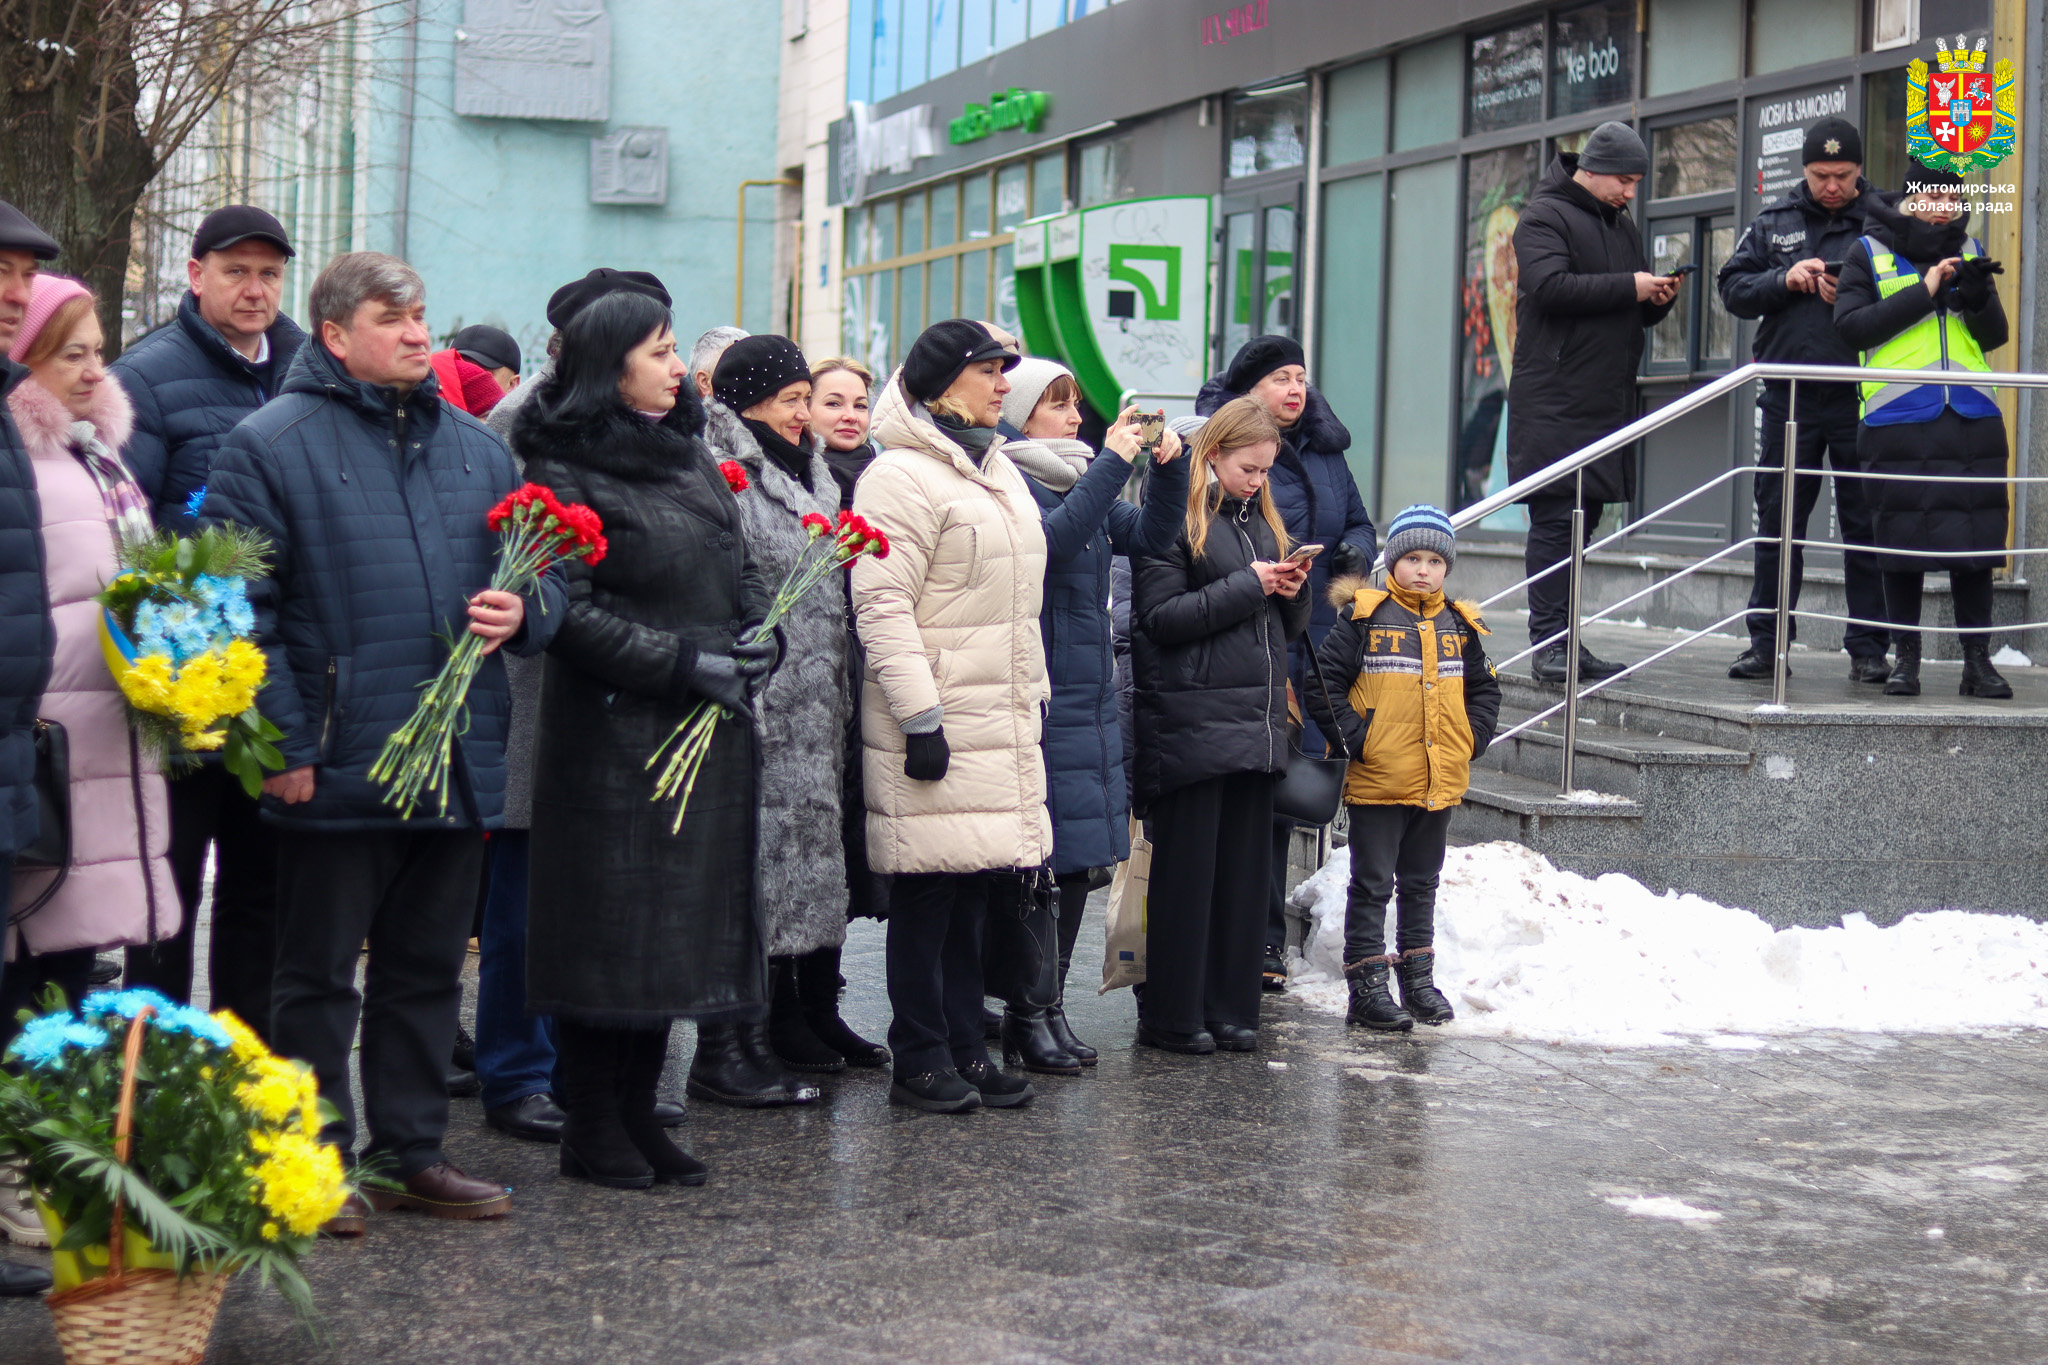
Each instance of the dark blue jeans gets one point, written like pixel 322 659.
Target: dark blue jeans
pixel 515 1051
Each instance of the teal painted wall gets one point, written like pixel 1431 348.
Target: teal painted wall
pixel 499 211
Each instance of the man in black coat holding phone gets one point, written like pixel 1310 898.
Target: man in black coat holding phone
pixel 1584 296
pixel 1783 272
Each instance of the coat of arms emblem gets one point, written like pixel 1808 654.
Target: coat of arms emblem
pixel 1960 117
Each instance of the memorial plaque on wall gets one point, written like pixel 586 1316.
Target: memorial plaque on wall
pixel 630 167
pixel 534 59
pixel 1593 57
pixel 1777 130
pixel 1506 78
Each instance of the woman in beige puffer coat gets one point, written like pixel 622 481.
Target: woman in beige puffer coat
pixel 950 715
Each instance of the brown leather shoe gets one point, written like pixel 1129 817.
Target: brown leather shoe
pixel 442 1191
pixel 352 1220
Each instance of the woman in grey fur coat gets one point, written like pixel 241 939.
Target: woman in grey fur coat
pixel 759 415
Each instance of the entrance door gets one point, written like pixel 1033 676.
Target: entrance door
pixel 1261 238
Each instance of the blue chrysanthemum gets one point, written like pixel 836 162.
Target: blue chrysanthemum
pixel 197 1022
pixel 196 501
pixel 43 1041
pixel 127 1004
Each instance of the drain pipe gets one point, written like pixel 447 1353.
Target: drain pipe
pixel 409 68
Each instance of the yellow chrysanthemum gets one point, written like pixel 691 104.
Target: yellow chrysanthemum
pixel 242 671
pixel 270 1232
pixel 196 696
pixel 300 1179
pixel 271 1091
pixel 147 684
pixel 242 1040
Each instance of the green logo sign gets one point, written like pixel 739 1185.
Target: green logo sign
pixel 1162 302
pixel 1012 108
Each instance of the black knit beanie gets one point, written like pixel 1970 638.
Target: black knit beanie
pixel 754 368
pixel 1832 139
pixel 1258 358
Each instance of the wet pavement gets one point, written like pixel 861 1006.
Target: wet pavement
pixel 1332 1197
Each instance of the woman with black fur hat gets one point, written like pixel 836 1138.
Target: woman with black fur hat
pixel 1916 293
pixel 632 923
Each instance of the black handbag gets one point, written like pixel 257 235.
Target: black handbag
pixel 1312 788
pixel 50 850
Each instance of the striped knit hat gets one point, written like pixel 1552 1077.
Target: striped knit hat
pixel 1421 527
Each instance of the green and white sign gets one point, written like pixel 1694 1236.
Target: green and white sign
pixel 1119 293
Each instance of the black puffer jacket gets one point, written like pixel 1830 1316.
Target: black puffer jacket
pixel 627 920
pixel 1796 326
pixel 26 633
pixel 1578 331
pixel 1210 652
pixel 190 387
pixel 375 506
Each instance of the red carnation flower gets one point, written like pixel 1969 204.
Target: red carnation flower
pixel 816 524
pixel 735 477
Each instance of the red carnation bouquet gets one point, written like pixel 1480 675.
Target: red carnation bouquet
pixel 833 546
pixel 537 529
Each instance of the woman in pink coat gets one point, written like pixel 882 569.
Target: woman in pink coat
pixel 74 421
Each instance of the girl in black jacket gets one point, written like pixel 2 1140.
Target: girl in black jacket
pixel 1213 617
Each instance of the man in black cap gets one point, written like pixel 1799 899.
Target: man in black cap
pixel 26 633
pixel 1780 272
pixel 224 356
pixel 492 348
pixel 1585 295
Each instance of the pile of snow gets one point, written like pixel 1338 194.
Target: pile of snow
pixel 2008 657
pixel 1525 950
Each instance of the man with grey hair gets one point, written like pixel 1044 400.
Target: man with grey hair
pixel 704 355
pixel 374 494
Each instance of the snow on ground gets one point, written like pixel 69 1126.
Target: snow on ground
pixel 1525 950
pixel 2008 657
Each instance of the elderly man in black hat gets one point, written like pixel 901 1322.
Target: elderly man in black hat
pixel 1782 271
pixel 26 633
pixel 1586 295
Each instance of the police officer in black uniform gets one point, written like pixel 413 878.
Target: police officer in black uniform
pixel 1780 274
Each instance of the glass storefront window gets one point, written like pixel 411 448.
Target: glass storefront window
pixel 1505 71
pixel 1268 129
pixel 1106 172
pixel 945 206
pixel 974 208
pixel 1013 195
pixel 942 289
pixel 1422 77
pixel 1884 127
pixel 1239 237
pixel 856 236
pixel 1717 329
pixel 1592 56
pixel 1692 43
pixel 1355 113
pixel 853 296
pixel 974 285
pixel 1693 158
pixel 1048 183
pixel 1006 290
pixel 1670 248
pixel 1277 270
pixel 912 216
pixel 1788 33
pixel 1497 186
pixel 1415 424
pixel 879 349
pixel 910 317
pixel 882 231
pixel 1348 361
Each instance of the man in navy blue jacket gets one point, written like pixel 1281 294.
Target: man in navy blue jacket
pixel 374 494
pixel 1318 499
pixel 191 381
pixel 26 633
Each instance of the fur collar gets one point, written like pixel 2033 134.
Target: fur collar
pixel 729 439
pixel 46 424
pixel 1317 429
pixel 615 441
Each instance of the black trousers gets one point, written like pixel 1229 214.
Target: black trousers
pixel 70 970
pixel 210 809
pixel 1276 902
pixel 1827 426
pixel 1205 919
pixel 933 955
pixel 1073 902
pixel 1395 850
pixel 412 895
pixel 1971 589
pixel 1550 543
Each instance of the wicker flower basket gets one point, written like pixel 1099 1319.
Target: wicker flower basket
pixel 136 1317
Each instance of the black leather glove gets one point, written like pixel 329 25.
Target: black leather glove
pixel 1970 287
pixel 1347 560
pixel 756 658
pixel 926 756
pixel 718 677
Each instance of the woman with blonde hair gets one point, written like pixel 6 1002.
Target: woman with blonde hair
pixel 1212 619
pixel 842 390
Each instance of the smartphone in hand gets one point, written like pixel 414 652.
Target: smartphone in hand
pixel 1151 429
pixel 1681 272
pixel 1303 554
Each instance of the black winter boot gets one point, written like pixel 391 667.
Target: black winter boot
pixel 1020 961
pixel 1980 679
pixel 595 1144
pixel 1056 1017
pixel 1419 995
pixel 789 1030
pixel 1905 678
pixel 1372 1004
pixel 727 1070
pixel 646 1052
pixel 817 987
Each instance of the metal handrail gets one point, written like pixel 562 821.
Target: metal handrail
pixel 1574 467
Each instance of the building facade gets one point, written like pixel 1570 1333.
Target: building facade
pixel 1357 171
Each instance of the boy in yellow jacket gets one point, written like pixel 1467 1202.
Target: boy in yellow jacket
pixel 1420 702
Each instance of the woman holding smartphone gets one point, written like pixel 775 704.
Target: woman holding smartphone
pixel 1212 618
